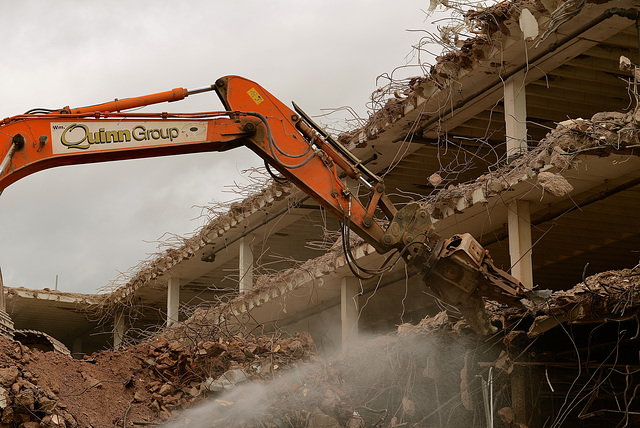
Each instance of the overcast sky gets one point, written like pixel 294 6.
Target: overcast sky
pixel 88 223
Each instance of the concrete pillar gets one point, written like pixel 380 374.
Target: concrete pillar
pixel 118 330
pixel 245 264
pixel 519 225
pixel 519 218
pixel 173 301
pixel 349 289
pixel 515 115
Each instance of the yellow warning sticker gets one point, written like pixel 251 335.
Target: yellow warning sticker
pixel 255 96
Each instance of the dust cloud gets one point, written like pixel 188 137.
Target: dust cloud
pixel 381 381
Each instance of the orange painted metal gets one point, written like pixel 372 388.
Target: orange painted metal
pixel 313 168
pixel 255 118
pixel 117 105
pixel 39 150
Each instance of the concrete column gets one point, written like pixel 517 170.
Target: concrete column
pixel 519 225
pixel 173 301
pixel 515 115
pixel 349 289
pixel 245 264
pixel 118 330
pixel 519 219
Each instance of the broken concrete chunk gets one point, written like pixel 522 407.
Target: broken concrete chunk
pixel 555 184
pixel 624 64
pixel 8 376
pixel 578 124
pixel 528 25
pixel 190 391
pixel 160 343
pixel 166 389
pixel 27 399
pixel 47 404
pixel 544 323
pixel 496 186
pixel 435 179
pixel 560 159
pixel 21 385
pixel 54 421
pixel 478 196
pixel 176 347
pixel 4 398
pixel 228 380
pixel 330 400
pixel 7 416
pixel 465 390
pixel 211 349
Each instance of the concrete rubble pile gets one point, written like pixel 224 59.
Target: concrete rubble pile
pixel 232 382
pixel 434 373
pixel 387 381
pixel 138 386
pixel 571 360
pixel 563 349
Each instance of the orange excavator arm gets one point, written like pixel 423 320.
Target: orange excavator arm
pixel 457 270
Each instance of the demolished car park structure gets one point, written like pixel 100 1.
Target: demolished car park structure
pixel 525 134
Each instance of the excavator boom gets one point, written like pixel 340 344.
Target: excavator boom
pixel 458 270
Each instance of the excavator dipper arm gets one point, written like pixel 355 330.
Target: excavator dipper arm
pixel 458 270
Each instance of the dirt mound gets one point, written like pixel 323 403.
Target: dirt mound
pixel 142 385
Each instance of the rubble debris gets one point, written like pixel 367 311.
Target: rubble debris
pixel 145 383
pixel 40 340
pixel 555 184
pixel 470 43
pixel 579 346
pixel 227 381
pixel 380 383
pixel 429 374
pixel 604 134
pixel 624 63
pixel 435 179
pixel 528 24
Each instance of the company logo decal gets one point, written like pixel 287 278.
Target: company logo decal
pixel 83 136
